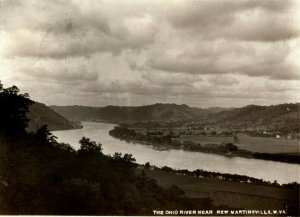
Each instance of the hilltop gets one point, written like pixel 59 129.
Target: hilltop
pixel 40 114
pixel 155 112
pixel 284 117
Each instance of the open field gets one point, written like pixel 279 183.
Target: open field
pixel 249 143
pixel 206 139
pixel 232 194
pixel 268 145
pixel 244 142
pixel 263 148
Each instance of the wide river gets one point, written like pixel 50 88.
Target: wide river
pixel 179 159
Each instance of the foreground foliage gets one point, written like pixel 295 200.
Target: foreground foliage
pixel 49 178
pixel 41 176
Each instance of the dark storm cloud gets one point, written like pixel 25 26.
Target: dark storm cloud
pixel 251 20
pixel 217 58
pixel 169 80
pixel 277 71
pixel 224 80
pixel 64 75
pixel 121 87
pixel 174 51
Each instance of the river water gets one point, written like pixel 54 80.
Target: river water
pixel 179 159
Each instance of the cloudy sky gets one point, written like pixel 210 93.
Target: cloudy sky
pixel 197 52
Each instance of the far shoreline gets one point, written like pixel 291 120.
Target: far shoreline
pixel 292 158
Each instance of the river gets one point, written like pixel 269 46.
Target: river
pixel 179 159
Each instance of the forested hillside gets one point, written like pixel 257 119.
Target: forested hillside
pixel 40 114
pixel 281 117
pixel 156 112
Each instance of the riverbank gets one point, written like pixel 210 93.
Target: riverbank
pixel 228 149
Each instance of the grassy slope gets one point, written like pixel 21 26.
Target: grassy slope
pixel 233 194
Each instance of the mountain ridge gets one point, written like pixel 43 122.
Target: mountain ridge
pixel 281 116
pixel 158 112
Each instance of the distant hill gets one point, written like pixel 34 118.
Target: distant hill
pixel 155 112
pixel 283 116
pixel 40 114
pixel 219 109
pixel 272 117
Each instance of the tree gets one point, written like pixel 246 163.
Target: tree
pixel 13 109
pixel 128 158
pixel 147 165
pixel 236 139
pixel 213 133
pixel 43 135
pixel 117 156
pixel 88 146
pixel 231 147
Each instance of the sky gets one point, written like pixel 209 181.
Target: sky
pixel 203 53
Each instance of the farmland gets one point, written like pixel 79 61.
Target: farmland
pixel 158 140
pixel 239 195
pixel 242 141
pixel 249 143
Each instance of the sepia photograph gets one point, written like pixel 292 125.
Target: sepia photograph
pixel 150 107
